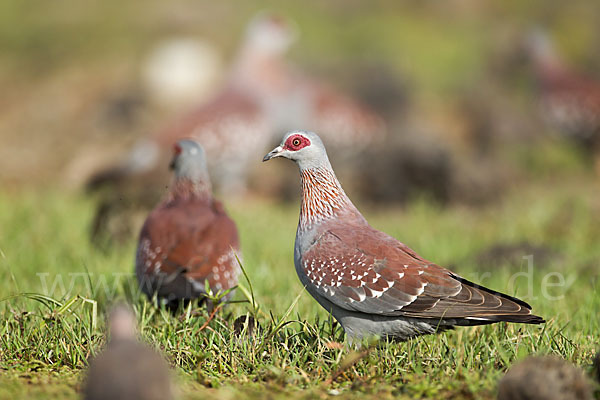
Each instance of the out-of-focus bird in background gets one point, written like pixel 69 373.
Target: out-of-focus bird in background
pixel 234 116
pixel 188 239
pixel 240 119
pixel 569 101
pixel 544 378
pixel 127 369
pixel 263 95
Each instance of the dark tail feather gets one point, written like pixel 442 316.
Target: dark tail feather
pixel 525 318
pixel 492 319
pixel 499 294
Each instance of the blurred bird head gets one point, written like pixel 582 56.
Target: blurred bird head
pixel 547 377
pixel 127 368
pixel 305 148
pixel 538 47
pixel 189 160
pixel 122 323
pixel 270 33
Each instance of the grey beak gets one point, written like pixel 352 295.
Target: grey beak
pixel 276 152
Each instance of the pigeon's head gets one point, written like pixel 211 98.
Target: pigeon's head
pixel 270 33
pixel 122 323
pixel 537 45
pixel 305 148
pixel 189 160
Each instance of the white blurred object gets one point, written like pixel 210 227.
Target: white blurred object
pixel 182 70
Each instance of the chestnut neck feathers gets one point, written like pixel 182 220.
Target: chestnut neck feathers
pixel 187 189
pixel 191 180
pixel 323 198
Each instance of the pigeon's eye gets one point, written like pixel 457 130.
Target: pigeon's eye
pixel 296 142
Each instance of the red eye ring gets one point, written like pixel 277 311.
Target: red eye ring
pixel 296 142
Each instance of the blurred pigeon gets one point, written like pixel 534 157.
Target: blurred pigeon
pixel 233 124
pixel 127 369
pixel 188 239
pixel 570 102
pixel 544 378
pixel 263 96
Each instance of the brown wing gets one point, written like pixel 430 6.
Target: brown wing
pixel 193 239
pixel 368 271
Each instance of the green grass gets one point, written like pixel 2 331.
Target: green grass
pixel 48 334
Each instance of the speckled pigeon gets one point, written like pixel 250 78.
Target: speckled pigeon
pixel 370 282
pixel 188 239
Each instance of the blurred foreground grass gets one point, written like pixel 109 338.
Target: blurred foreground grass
pixel 49 331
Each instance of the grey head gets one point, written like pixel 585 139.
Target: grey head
pixel 303 147
pixel 539 46
pixel 189 161
pixel 270 33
